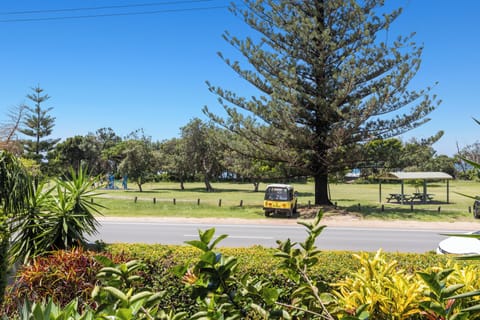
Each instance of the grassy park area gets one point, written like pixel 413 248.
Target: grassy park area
pixel 236 200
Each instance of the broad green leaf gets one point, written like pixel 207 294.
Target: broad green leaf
pixel 116 293
pixel 140 296
pixel 447 292
pixel 466 295
pixel 209 257
pixel 270 295
pixel 216 241
pixel 111 270
pixel 207 235
pixel 124 314
pixel 474 308
pixel 198 244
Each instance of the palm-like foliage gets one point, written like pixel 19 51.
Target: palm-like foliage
pixel 27 227
pixel 14 182
pixel 70 217
pixel 80 191
pixel 57 218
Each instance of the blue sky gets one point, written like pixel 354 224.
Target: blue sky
pixel 149 70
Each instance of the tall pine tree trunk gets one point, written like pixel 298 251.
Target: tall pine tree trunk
pixel 321 189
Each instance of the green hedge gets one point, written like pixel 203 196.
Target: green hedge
pixel 159 275
pixel 258 261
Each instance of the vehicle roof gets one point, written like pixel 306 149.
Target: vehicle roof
pixel 279 185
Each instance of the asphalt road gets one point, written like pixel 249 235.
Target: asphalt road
pixel 246 235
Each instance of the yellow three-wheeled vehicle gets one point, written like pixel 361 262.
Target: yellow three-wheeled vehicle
pixel 280 198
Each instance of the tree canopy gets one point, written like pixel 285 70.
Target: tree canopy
pixel 328 77
pixel 38 125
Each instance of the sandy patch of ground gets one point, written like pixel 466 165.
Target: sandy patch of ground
pixel 330 219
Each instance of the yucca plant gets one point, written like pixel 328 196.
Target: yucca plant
pixel 80 188
pixel 70 216
pixel 59 217
pixel 14 183
pixel 27 226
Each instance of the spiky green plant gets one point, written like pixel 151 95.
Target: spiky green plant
pixel 71 214
pixel 14 183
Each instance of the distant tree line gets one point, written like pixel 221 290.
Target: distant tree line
pixel 200 153
pixel 197 154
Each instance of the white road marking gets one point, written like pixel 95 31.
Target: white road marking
pixel 232 237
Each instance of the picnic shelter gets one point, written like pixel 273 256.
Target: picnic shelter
pixel 423 196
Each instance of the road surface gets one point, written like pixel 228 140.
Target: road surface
pixel 355 238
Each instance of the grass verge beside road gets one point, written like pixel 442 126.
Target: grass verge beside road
pixel 236 200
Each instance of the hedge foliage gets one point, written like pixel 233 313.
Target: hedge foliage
pixel 257 261
pixel 69 275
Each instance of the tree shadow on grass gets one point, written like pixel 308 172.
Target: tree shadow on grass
pixel 305 194
pixel 203 190
pixel 151 191
pixel 404 213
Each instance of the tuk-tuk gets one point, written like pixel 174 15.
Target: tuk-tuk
pixel 280 198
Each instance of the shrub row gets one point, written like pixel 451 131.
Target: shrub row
pixel 255 261
pixel 67 275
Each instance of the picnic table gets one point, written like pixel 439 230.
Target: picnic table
pixel 398 197
pixel 421 196
pixel 408 198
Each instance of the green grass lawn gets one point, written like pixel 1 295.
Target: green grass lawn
pixel 157 200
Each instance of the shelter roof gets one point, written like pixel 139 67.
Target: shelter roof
pixel 424 175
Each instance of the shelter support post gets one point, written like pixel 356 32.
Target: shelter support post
pixel 403 193
pixel 380 191
pixel 424 197
pixel 448 191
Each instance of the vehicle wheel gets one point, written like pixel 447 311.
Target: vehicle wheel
pixel 290 213
pixel 267 214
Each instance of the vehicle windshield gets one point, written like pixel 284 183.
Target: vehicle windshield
pixel 277 193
